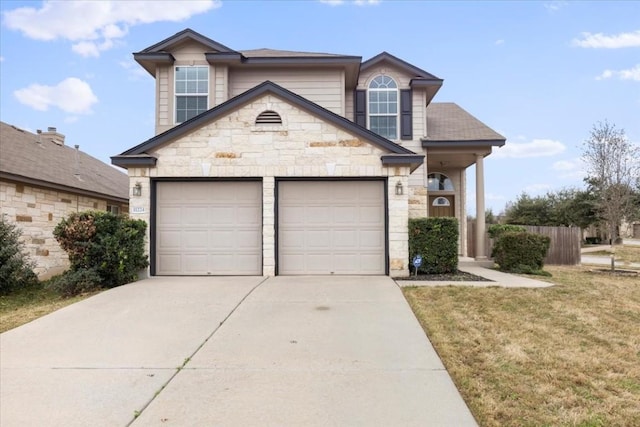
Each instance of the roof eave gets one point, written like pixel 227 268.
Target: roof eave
pixel 188 34
pixel 149 60
pixel 134 161
pixel 387 57
pixel 426 143
pixel 55 186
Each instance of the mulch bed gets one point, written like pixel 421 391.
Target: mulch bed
pixel 458 276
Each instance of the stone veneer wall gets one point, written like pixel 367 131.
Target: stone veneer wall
pixel 303 146
pixel 37 211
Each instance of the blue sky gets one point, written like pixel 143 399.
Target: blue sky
pixel 541 73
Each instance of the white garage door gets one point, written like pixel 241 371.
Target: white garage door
pixel 209 228
pixel 331 227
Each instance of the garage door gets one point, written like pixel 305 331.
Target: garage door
pixel 209 228
pixel 331 227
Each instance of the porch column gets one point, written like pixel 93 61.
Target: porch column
pixel 480 225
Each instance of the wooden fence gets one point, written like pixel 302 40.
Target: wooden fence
pixel 564 249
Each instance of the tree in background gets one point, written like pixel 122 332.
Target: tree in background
pixel 568 207
pixel 613 173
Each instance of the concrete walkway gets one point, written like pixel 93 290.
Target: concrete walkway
pixel 229 351
pixel 497 278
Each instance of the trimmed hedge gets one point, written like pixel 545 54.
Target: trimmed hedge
pixel 111 246
pixel 496 230
pixel 436 239
pixel 520 252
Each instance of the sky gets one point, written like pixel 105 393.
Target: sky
pixel 541 73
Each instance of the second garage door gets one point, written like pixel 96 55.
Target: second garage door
pixel 331 227
pixel 208 228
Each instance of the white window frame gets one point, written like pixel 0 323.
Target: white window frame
pixel 187 93
pixel 387 81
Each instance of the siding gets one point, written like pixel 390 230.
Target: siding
pixel 164 115
pixel 324 87
pixel 221 87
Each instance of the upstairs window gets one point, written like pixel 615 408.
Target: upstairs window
pixel 192 92
pixel 439 182
pixel 383 107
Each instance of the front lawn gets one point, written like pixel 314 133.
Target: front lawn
pixel 568 355
pixel 28 304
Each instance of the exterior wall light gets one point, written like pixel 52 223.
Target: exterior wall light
pixel 399 189
pixel 137 189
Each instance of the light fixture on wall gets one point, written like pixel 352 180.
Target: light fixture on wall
pixel 137 189
pixel 399 189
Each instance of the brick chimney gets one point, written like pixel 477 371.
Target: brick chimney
pixel 52 135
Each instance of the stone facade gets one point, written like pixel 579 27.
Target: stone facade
pixel 36 211
pixel 303 146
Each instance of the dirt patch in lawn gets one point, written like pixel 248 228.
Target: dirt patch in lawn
pixel 568 355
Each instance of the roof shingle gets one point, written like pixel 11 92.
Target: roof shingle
pixel 447 121
pixel 22 156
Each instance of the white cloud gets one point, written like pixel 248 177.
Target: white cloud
pixel 71 95
pixel 535 148
pixel 71 119
pixel 499 42
pixel 93 26
pixel 599 40
pixel 630 74
pixel 572 169
pixel 554 6
pixel 1 58
pixel 356 2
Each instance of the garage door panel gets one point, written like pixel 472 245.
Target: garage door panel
pixel 331 227
pixel 209 228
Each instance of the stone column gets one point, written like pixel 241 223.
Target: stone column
pixel 480 225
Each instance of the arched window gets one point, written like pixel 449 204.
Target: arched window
pixel 383 107
pixel 441 201
pixel 268 117
pixel 439 182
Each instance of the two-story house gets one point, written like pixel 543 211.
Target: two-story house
pixel 277 162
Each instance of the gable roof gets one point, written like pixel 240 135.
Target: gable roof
pixel 186 34
pixel 410 69
pixel 276 53
pixel 32 159
pixel 138 154
pixel 447 122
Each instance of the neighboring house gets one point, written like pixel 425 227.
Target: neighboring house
pixel 42 180
pixel 276 162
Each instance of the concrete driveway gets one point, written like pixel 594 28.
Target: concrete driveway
pixel 229 351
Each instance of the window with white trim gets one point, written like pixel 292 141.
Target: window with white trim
pixel 439 182
pixel 191 92
pixel 383 107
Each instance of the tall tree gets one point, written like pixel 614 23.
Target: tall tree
pixel 613 170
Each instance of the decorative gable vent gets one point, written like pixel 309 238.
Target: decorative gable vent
pixel 269 117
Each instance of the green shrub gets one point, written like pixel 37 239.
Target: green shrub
pixel 436 239
pixel 74 282
pixel 16 269
pixel 520 252
pixel 111 245
pixel 496 230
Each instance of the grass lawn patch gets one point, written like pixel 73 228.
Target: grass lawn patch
pixel 567 355
pixel 28 304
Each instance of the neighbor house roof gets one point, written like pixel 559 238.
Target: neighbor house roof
pixel 136 155
pixel 449 123
pixel 37 160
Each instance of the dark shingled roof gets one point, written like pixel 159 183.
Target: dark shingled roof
pixel 45 163
pixel 446 121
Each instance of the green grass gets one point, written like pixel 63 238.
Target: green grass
pixel 567 355
pixel 28 304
